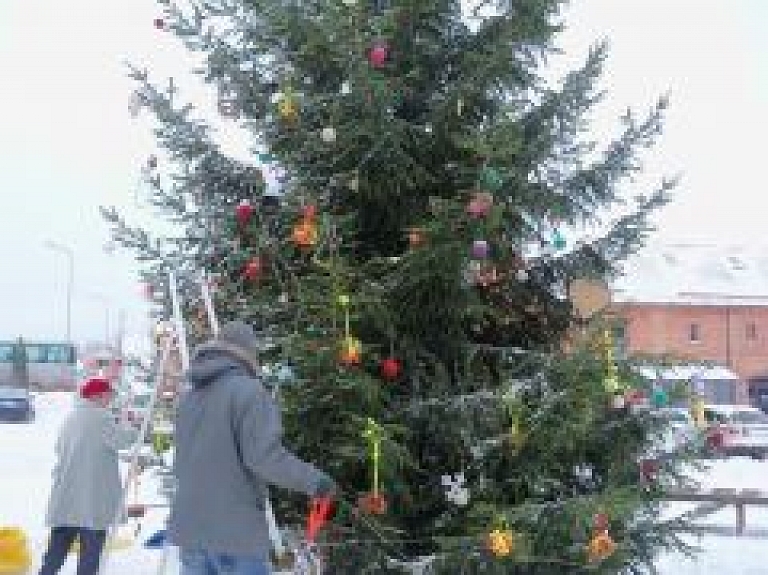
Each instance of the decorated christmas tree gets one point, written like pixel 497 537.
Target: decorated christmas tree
pixel 411 278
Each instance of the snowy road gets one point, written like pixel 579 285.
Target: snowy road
pixel 26 461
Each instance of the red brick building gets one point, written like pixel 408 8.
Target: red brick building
pixel 730 331
pixel 701 303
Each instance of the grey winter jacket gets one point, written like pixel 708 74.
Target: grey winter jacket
pixel 228 449
pixel 86 489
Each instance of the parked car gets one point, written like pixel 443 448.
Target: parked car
pixel 681 430
pixel 16 405
pixel 737 430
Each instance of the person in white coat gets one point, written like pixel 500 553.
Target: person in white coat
pixel 87 491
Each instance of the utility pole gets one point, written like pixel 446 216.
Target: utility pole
pixel 67 251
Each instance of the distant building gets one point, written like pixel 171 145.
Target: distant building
pixel 700 304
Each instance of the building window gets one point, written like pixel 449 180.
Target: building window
pixel 694 333
pixel 751 331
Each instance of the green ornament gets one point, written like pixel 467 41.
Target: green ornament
pixel 491 179
pixel 558 241
pixel 659 397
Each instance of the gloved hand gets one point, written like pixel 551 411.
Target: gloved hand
pixel 324 486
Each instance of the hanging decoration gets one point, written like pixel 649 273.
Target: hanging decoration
pixel 501 541
pixel 612 371
pixel 491 179
pixel 243 213
pixel 600 547
pixel 378 54
pixel 391 368
pixel 456 489
pixel 416 237
pixel 649 470
pixel 328 135
pixel 558 240
pixel 659 396
pixel 480 205
pixel 159 23
pixel 253 268
pixel 697 413
pixel 305 234
pixel 480 249
pixel 288 105
pixel 374 501
pixel 350 353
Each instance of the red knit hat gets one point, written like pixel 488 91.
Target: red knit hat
pixel 94 386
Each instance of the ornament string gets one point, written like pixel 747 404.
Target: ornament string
pixel 373 434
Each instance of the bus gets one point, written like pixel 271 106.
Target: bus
pixel 45 366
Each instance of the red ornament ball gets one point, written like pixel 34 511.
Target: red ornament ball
pixel 159 23
pixel 391 368
pixel 243 212
pixel 378 54
pixel 252 270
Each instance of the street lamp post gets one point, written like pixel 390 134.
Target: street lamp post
pixel 67 251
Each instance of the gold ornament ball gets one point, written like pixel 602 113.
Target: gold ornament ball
pixel 500 543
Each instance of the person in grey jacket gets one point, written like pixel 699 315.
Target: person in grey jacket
pixel 87 492
pixel 228 449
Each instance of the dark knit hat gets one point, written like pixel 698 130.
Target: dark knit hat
pixel 241 335
pixel 95 386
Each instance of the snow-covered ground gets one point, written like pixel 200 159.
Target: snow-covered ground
pixel 26 461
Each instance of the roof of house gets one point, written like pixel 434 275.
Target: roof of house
pixel 696 274
pixel 688 372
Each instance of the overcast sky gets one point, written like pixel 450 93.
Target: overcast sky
pixel 68 144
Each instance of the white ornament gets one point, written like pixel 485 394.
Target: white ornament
pixel 618 401
pixel 521 275
pixel 428 128
pixel 583 472
pixel 328 135
pixel 346 88
pixel 456 491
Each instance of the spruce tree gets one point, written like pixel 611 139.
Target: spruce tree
pixel 411 278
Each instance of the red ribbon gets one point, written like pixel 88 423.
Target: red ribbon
pixel 319 510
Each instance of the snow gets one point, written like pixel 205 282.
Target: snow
pixel 696 273
pixel 26 452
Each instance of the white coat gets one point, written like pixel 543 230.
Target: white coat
pixel 87 490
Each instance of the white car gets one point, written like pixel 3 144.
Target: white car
pixel 737 430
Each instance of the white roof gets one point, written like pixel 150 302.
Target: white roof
pixel 733 408
pixel 686 372
pixel 696 274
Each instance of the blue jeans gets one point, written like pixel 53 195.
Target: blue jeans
pixel 201 562
pixel 91 546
